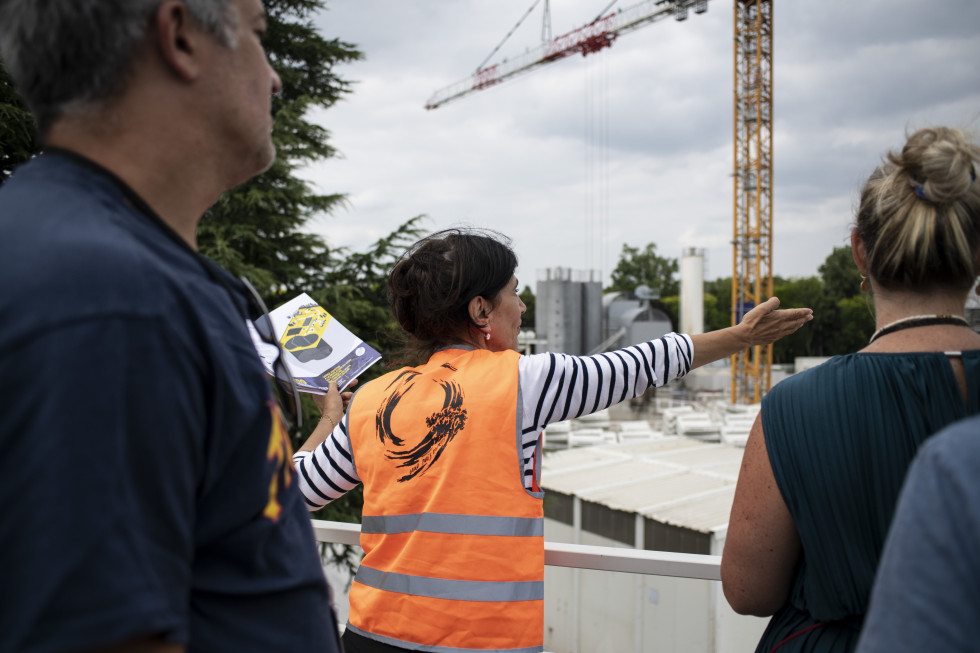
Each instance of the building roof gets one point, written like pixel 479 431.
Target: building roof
pixel 673 480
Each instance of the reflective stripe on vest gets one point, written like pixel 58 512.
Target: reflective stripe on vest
pixel 459 590
pixel 461 524
pixel 453 542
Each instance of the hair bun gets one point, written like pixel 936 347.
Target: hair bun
pixel 939 163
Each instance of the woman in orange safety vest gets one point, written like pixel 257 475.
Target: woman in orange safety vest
pixel 449 450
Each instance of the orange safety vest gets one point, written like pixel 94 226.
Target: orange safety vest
pixel 453 542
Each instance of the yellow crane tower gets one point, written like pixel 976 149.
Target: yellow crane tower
pixel 752 172
pixel 752 181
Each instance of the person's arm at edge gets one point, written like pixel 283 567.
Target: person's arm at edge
pixel 331 406
pixel 760 326
pixel 324 464
pixel 762 546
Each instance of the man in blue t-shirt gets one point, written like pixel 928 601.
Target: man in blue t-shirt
pixel 145 474
pixel 926 595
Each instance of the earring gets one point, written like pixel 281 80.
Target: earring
pixel 486 334
pixel 865 286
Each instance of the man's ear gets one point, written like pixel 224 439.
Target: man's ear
pixel 176 36
pixel 480 311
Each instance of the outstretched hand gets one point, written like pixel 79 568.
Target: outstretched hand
pixel 765 324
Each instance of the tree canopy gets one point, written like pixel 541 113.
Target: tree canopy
pixel 527 296
pixel 644 267
pixel 843 317
pixel 841 278
pixel 18 130
pixel 257 229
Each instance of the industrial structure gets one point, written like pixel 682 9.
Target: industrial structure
pixel 752 180
pixel 752 170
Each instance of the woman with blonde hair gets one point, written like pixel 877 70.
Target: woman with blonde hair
pixel 826 458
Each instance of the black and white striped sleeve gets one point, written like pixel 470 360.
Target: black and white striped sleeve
pixel 556 387
pixel 327 472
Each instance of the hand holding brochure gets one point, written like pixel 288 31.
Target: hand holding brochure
pixel 318 349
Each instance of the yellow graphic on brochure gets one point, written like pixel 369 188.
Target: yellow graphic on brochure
pixel 304 334
pixel 315 346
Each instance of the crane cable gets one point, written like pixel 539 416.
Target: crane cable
pixel 597 167
pixel 512 30
pixel 607 8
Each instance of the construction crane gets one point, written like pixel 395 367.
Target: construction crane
pixel 752 181
pixel 752 173
pixel 595 36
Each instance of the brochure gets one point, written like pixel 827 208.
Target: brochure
pixel 317 348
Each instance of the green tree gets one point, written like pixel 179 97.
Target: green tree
pixel 811 339
pixel 256 229
pixel 854 310
pixel 718 304
pixel 527 296
pixel 18 130
pixel 857 324
pixel 671 306
pixel 840 275
pixel 355 291
pixel 644 267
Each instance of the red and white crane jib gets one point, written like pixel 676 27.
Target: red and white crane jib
pixel 587 39
pixel 598 34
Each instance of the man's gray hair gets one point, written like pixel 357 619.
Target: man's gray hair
pixel 66 54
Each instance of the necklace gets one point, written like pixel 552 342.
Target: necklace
pixel 914 321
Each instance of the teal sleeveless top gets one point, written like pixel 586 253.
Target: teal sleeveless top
pixel 840 438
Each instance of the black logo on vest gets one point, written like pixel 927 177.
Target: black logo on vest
pixel 441 427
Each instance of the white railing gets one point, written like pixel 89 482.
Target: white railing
pixel 580 556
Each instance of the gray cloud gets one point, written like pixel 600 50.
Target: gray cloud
pixel 850 78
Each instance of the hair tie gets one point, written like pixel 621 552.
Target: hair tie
pixel 919 191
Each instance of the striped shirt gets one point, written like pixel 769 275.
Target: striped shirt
pixel 551 388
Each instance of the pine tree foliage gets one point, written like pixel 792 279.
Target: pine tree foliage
pixel 18 130
pixel 355 290
pixel 257 229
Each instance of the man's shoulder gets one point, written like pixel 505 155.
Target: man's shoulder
pixel 54 211
pixel 72 248
pixel 59 216
pixel 956 446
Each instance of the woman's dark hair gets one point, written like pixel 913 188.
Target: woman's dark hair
pixel 431 286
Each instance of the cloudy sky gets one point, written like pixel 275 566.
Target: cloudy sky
pixel 633 145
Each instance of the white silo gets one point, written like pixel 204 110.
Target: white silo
pixel 692 291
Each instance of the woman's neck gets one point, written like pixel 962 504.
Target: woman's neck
pixel 899 329
pixel 891 305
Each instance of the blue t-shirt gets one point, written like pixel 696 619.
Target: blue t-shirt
pixel 926 594
pixel 145 481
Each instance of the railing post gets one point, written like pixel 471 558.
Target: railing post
pixel 639 543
